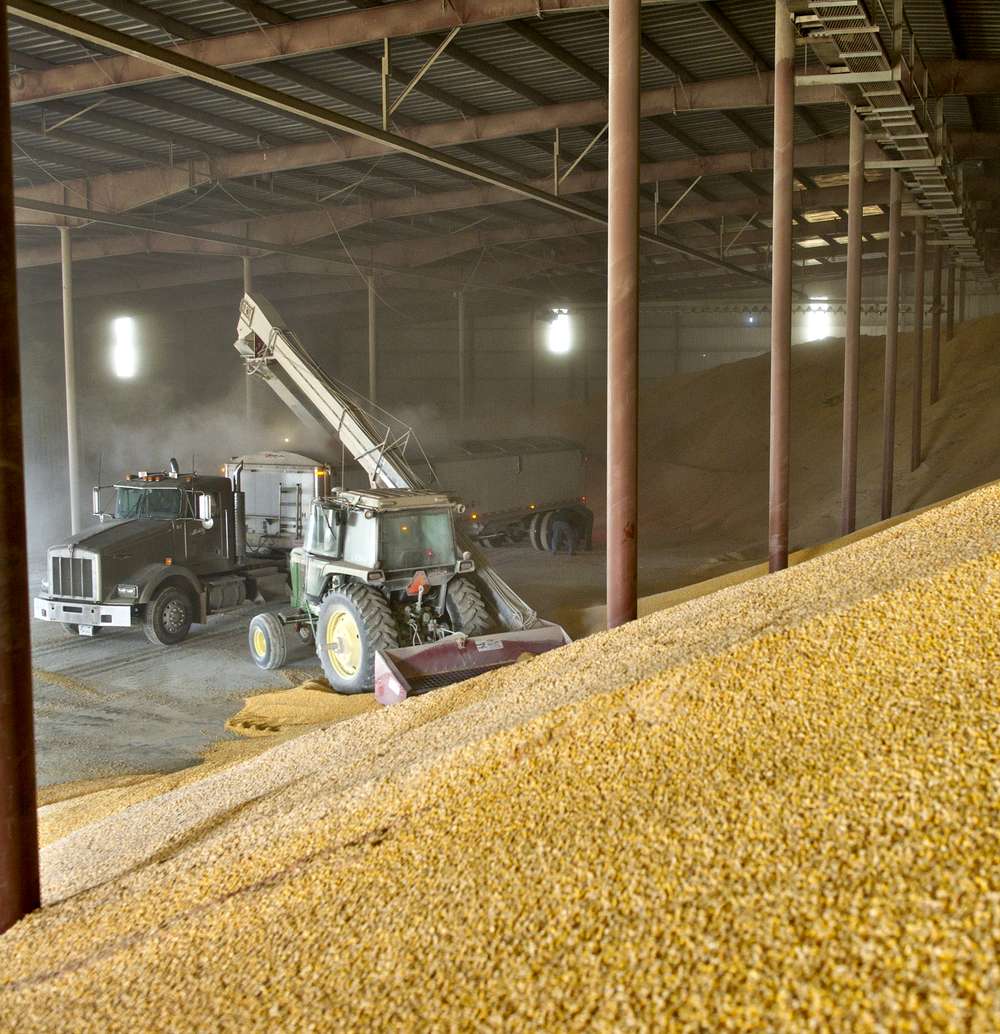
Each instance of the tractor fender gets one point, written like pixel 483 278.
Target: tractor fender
pixel 152 577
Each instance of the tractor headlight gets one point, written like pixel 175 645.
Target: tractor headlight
pixel 464 566
pixel 128 591
pixel 376 577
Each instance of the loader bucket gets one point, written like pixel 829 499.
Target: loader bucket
pixel 416 669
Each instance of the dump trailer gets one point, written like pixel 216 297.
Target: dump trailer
pixel 169 552
pixel 392 593
pixel 512 487
pixel 278 491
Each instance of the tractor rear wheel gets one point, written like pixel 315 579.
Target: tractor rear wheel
pixel 466 608
pixel 354 623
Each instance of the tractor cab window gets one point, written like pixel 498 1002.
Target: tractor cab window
pixel 150 503
pixel 415 540
pixel 323 530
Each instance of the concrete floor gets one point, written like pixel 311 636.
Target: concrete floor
pixel 118 704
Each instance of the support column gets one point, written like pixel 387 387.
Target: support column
pixel 462 357
pixel 962 295
pixel 950 324
pixel 781 284
pixel 852 336
pixel 69 364
pixel 623 311
pixel 891 342
pixel 19 883
pixel 919 285
pixel 248 289
pixel 372 361
pixel 938 308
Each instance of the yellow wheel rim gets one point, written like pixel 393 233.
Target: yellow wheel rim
pixel 343 642
pixel 259 642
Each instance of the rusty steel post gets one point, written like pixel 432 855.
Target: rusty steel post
pixel 937 309
pixel 950 312
pixel 69 373
pixel 19 882
pixel 781 284
pixel 891 343
pixel 623 310
pixel 919 285
pixel 852 336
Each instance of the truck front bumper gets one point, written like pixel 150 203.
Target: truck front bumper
pixel 70 612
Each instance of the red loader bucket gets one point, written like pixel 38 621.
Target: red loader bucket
pixel 417 669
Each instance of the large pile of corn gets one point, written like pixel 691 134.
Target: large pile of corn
pixel 774 808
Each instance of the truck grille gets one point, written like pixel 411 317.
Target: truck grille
pixel 73 576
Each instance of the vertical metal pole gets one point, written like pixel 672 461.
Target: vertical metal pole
pixel 19 882
pixel 891 342
pixel 372 362
pixel 950 325
pixel 460 295
pixel 623 311
pixel 937 309
pixel 852 336
pixel 69 363
pixel 385 83
pixel 962 295
pixel 781 284
pixel 919 285
pixel 248 289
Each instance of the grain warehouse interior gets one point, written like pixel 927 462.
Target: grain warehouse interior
pixel 500 515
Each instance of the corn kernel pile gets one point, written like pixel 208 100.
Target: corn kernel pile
pixel 798 830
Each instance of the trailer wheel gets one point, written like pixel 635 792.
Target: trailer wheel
pixel 74 630
pixel 545 531
pixel 268 643
pixel 354 623
pixel 466 608
pixel 536 520
pixel 168 617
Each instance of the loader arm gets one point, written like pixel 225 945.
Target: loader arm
pixel 272 352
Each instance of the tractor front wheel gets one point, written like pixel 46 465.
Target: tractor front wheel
pixel 354 623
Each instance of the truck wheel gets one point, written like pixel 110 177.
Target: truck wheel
pixel 536 520
pixel 75 629
pixel 354 623
pixel 168 617
pixel 466 608
pixel 268 643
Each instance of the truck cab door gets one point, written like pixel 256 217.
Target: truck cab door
pixel 205 543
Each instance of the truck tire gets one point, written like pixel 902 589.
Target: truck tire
pixel 466 608
pixel 74 630
pixel 168 617
pixel 536 520
pixel 268 642
pixel 354 623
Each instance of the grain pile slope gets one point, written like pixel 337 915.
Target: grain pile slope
pixel 782 812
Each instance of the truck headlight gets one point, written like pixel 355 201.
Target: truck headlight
pixel 128 591
pixel 45 585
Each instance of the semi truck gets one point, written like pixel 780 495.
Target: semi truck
pixel 387 585
pixel 171 550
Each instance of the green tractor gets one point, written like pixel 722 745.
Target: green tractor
pixel 379 571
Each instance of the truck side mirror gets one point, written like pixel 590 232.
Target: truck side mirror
pixel 206 512
pixel 96 504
